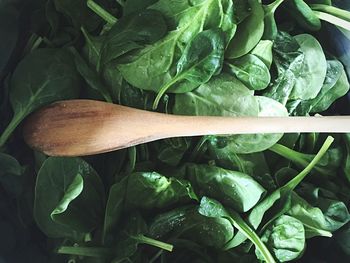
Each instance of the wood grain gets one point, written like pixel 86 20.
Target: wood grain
pixel 86 127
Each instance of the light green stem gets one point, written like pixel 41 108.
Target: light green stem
pixel 98 10
pixel 271 8
pixel 16 120
pixel 332 10
pixel 96 252
pixel 162 92
pixel 155 243
pixel 333 20
pixel 242 226
pixel 296 180
pixel 289 154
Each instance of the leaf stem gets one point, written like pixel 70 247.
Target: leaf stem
pixel 98 10
pixel 242 226
pixel 333 20
pixel 296 180
pixel 271 8
pixel 332 10
pixel 16 120
pixel 96 252
pixel 289 154
pixel 162 91
pixel 152 242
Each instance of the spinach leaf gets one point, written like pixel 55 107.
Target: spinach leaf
pixel 201 59
pixel 335 211
pixel 335 86
pixel 289 60
pixel 74 204
pixel 313 219
pixel 263 50
pixel 171 151
pixel 9 32
pixel 11 175
pixel 346 163
pixel 285 237
pixel 235 189
pixel 149 190
pixel 79 13
pixel 278 202
pixel 155 65
pixel 253 164
pixel 310 79
pixel 132 235
pixel 114 209
pixel 187 223
pixel 132 32
pixel 212 208
pixel 132 6
pixel 303 14
pixel 251 71
pixel 221 96
pixel 91 77
pixel 44 76
pixel 245 40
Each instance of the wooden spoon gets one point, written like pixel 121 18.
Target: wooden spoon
pixel 85 127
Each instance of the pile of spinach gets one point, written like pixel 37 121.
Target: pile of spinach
pixel 238 198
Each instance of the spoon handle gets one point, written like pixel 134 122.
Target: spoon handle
pixel 250 125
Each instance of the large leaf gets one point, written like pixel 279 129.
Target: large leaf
pixel 155 65
pixel 245 40
pixel 221 96
pixel 285 238
pixel 132 32
pixel 201 59
pixel 44 76
pixel 310 78
pixel 235 189
pixel 149 190
pixel 74 202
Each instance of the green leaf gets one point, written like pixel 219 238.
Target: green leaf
pixel 211 208
pixel 263 50
pixel 11 175
pixel 310 79
pixel 149 190
pixel 9 32
pixel 91 77
pixel 186 222
pixel 201 59
pixel 279 200
pixel 221 96
pixel 171 151
pixel 313 219
pixel 44 76
pixel 251 71
pixel 245 40
pixel 336 85
pixel 289 60
pixel 114 209
pixel 132 32
pixel 79 13
pixel 155 65
pixel 235 189
pixel 73 205
pixel 285 238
